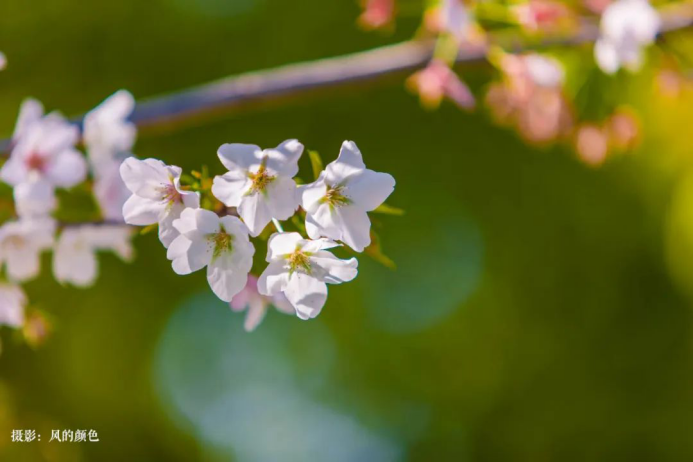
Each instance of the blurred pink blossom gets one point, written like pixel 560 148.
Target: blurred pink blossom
pixel 543 15
pixel 257 304
pixel 591 144
pixel 377 14
pixel 438 81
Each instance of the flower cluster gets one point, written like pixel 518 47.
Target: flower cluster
pixel 44 160
pixel 531 94
pixel 260 187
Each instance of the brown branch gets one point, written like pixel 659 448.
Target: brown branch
pixel 367 66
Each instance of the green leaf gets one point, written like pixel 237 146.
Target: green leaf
pixel 316 162
pixel 375 251
pixel 389 210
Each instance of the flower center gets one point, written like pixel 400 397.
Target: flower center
pixel 222 242
pixel 299 261
pixel 335 197
pixel 35 162
pixel 14 242
pixel 261 179
pixel 169 193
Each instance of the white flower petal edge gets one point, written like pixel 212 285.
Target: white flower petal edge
pixel 220 244
pixel 300 269
pixel 258 304
pixel 74 259
pixel 626 27
pixel 259 182
pixel 337 203
pixel 12 303
pixel 21 244
pixel 156 197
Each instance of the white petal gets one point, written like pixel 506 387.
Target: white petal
pixel 280 244
pixel 356 227
pixel 607 56
pixel 335 269
pixel 306 294
pixel 317 245
pixel 74 263
pixel 256 313
pixel 230 187
pixel 111 193
pixel 145 177
pixel 284 158
pixel 227 277
pixel 369 189
pixel 57 135
pixel 12 302
pixel 22 264
pixel 139 211
pixel 167 231
pixel 67 168
pixel 30 112
pixel 255 212
pixel 348 163
pixel 325 221
pixel 282 198
pixel 34 198
pixel 14 171
pixel 273 280
pixel 239 156
pixel 195 222
pixel 311 194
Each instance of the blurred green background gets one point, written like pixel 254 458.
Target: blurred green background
pixel 540 310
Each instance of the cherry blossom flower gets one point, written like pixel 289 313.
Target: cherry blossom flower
pixel 626 27
pixel 337 203
pixel 43 158
pixel 157 196
pixel 437 81
pixel 542 15
pixel 21 244
pixel 531 97
pixel 259 182
pixel 74 260
pixel 3 61
pixel 220 244
pixel 12 303
pixel 377 14
pixel 456 19
pixel 300 269
pixel 592 144
pixel 109 137
pixel 258 304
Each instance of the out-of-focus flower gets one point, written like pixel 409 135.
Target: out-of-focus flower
pixel 258 304
pixel 671 83
pixel 300 268
pixel 36 329
pixel 337 203
pixel 592 144
pixel 107 131
pixel 220 244
pixel 74 260
pixel 259 182
pixel 109 137
pixel 626 27
pixel 43 158
pixel 157 196
pixel 543 16
pixel 597 6
pixel 3 61
pixel 12 303
pixel 21 244
pixel 624 130
pixel 438 81
pixel 377 14
pixel 531 97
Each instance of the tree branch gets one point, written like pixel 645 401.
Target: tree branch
pixel 367 66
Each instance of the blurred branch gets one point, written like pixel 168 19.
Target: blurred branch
pixel 366 66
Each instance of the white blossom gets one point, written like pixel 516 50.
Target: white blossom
pixel 157 196
pixel 220 244
pixel 109 138
pixel 107 131
pixel 258 304
pixel 626 27
pixel 43 158
pixel 259 182
pixel 74 259
pixel 456 19
pixel 337 203
pixel 12 303
pixel 21 244
pixel 300 268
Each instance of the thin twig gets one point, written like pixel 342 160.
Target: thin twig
pixel 367 66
